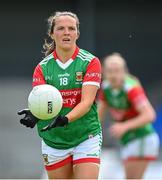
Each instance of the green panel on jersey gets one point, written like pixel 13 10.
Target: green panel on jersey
pixel 69 79
pixel 118 99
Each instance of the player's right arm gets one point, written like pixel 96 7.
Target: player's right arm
pixel 29 120
pixel 38 77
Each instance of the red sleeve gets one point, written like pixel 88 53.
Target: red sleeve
pixel 38 77
pixel 93 73
pixel 137 96
pixel 101 95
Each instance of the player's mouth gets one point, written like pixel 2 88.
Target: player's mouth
pixel 66 40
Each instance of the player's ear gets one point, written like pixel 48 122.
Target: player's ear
pixel 78 36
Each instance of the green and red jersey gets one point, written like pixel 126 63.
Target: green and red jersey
pixel 123 105
pixel 81 69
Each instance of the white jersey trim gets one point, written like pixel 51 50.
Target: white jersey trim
pixel 64 65
pixel 46 59
pixel 84 59
pixel 92 83
pixel 85 56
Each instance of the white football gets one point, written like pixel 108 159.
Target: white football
pixel 45 101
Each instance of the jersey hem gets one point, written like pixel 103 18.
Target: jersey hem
pixel 51 144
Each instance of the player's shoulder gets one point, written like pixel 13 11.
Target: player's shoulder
pixel 85 55
pixel 131 82
pixel 46 59
pixel 105 84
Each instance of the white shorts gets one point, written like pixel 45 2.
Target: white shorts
pixel 146 147
pixel 87 151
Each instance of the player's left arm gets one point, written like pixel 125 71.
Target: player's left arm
pixel 91 84
pixel 144 108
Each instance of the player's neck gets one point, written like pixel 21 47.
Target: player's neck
pixel 65 55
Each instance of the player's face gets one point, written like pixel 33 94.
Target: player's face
pixel 65 32
pixel 115 74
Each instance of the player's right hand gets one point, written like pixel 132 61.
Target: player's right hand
pixel 28 120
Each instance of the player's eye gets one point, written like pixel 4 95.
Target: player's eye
pixel 72 28
pixel 60 28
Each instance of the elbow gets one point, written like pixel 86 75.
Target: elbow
pixel 152 115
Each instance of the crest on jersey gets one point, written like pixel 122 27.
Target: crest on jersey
pixel 45 157
pixel 79 76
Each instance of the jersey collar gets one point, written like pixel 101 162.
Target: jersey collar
pixel 73 56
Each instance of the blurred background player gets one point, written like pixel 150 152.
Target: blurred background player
pixel 123 96
pixel 71 143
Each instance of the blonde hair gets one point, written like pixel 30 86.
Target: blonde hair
pixel 116 57
pixel 50 46
pixel 120 59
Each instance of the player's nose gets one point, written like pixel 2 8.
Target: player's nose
pixel 66 30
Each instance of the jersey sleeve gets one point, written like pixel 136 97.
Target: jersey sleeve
pixel 137 97
pixel 38 77
pixel 93 73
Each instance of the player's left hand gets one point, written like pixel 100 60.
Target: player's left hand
pixel 118 130
pixel 59 121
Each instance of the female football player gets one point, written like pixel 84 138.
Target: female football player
pixel 124 97
pixel 71 142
